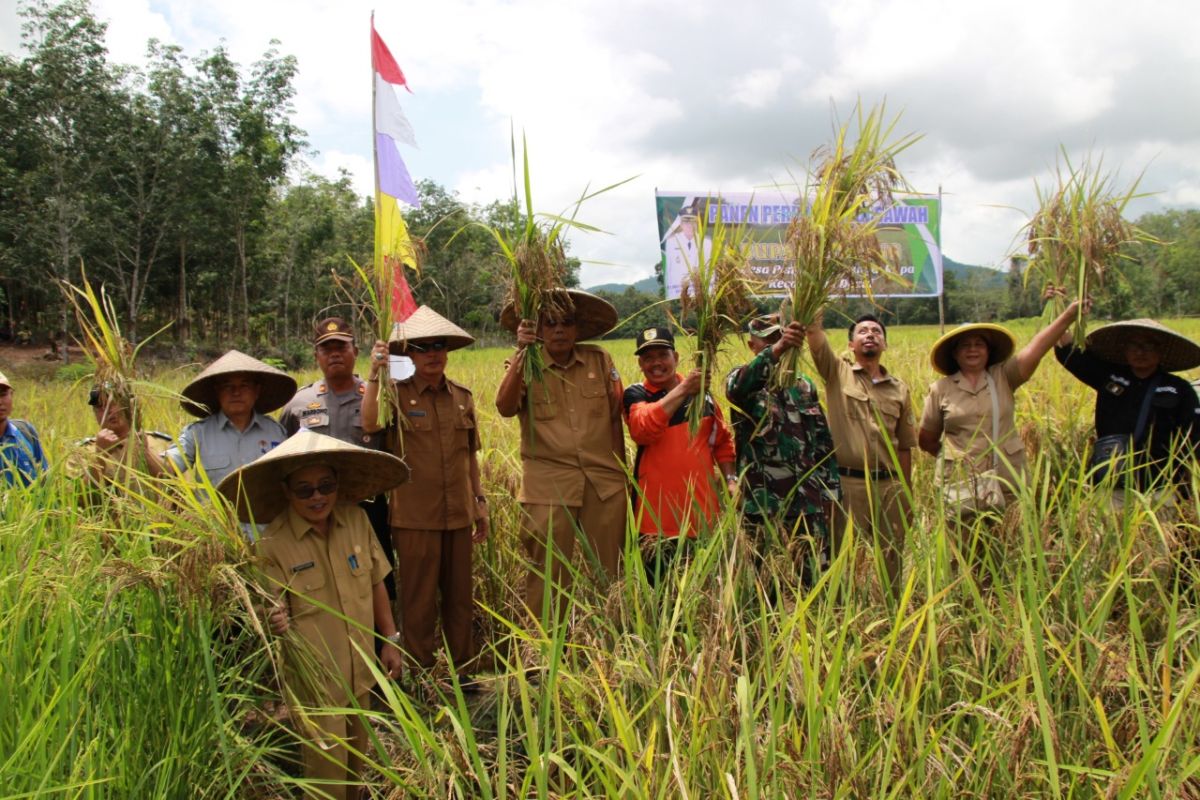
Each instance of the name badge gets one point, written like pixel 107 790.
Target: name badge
pixel 301 567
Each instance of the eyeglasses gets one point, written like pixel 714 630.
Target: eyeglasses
pixel 428 347
pixel 325 487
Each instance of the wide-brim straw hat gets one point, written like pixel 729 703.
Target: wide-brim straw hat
pixel 594 316
pixel 1177 352
pixel 1000 341
pixel 255 489
pixel 424 325
pixel 200 396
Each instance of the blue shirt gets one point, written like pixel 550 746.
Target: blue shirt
pixel 21 456
pixel 220 448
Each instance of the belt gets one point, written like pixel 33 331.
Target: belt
pixel 875 474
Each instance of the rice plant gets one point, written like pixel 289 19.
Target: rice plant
pixel 831 239
pixel 716 297
pixel 1078 234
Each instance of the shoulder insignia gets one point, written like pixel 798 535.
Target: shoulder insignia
pixel 321 388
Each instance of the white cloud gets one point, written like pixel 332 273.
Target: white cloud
pixel 714 95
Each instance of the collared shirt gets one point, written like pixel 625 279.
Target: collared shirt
pixel 338 415
pixel 118 465
pixel 219 447
pixel 436 443
pixel 338 571
pixel 864 415
pixel 674 471
pixel 784 446
pixel 567 430
pixel 21 457
pixel 1174 412
pixel 961 416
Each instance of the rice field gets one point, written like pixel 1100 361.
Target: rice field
pixel 1065 666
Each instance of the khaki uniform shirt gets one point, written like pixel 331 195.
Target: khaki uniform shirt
pixel 437 444
pixel 566 431
pixel 865 416
pixel 338 415
pixel 962 419
pixel 338 571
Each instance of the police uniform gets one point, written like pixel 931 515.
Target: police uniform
pixel 571 477
pixel 432 517
pixel 337 415
pixel 869 421
pixel 315 573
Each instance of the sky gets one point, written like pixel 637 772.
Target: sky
pixel 712 96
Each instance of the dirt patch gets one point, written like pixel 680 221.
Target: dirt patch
pixel 35 360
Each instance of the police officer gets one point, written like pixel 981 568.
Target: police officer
pixel 333 406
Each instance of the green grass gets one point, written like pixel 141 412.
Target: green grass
pixel 130 669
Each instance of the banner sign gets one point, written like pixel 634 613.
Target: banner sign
pixel 910 230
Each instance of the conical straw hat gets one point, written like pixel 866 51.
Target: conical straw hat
pixel 426 324
pixel 1178 352
pixel 255 489
pixel 201 394
pixel 1001 345
pixel 594 316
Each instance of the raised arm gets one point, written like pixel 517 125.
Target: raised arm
pixel 512 385
pixel 370 402
pixel 1032 354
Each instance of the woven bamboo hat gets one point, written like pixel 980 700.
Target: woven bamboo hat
pixel 4 380
pixel 255 488
pixel 200 396
pixel 1178 352
pixel 594 316
pixel 424 325
pixel 1000 341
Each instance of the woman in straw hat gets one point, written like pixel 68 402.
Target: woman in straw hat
pixel 441 512
pixel 1138 401
pixel 968 416
pixel 232 397
pixel 321 561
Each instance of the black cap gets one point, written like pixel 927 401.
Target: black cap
pixel 333 328
pixel 654 337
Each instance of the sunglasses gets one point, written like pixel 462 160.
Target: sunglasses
pixel 428 347
pixel 325 487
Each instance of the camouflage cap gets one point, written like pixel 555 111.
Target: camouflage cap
pixel 764 326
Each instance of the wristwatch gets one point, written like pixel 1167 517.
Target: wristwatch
pixel 394 638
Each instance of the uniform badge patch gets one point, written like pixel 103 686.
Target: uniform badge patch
pixel 1114 389
pixel 650 333
pixel 313 404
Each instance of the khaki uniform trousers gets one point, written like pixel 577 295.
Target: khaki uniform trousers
pixel 601 521
pixel 878 508
pixel 337 765
pixel 429 563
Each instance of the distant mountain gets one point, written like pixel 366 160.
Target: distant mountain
pixel 645 285
pixel 986 277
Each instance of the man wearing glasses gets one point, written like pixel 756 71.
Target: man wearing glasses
pixel 1140 402
pixel 333 406
pixel 572 442
pixel 441 512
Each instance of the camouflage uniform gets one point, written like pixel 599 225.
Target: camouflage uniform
pixel 784 448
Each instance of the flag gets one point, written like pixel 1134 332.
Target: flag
pixel 383 62
pixel 389 116
pixel 394 249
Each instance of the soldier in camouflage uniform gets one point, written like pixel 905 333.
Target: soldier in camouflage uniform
pixel 784 447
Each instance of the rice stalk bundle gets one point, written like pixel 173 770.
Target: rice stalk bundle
pixel 113 357
pixel 717 297
pixel 832 238
pixel 1078 234
pixel 375 302
pixel 534 249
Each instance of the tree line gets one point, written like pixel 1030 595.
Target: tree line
pixel 179 186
